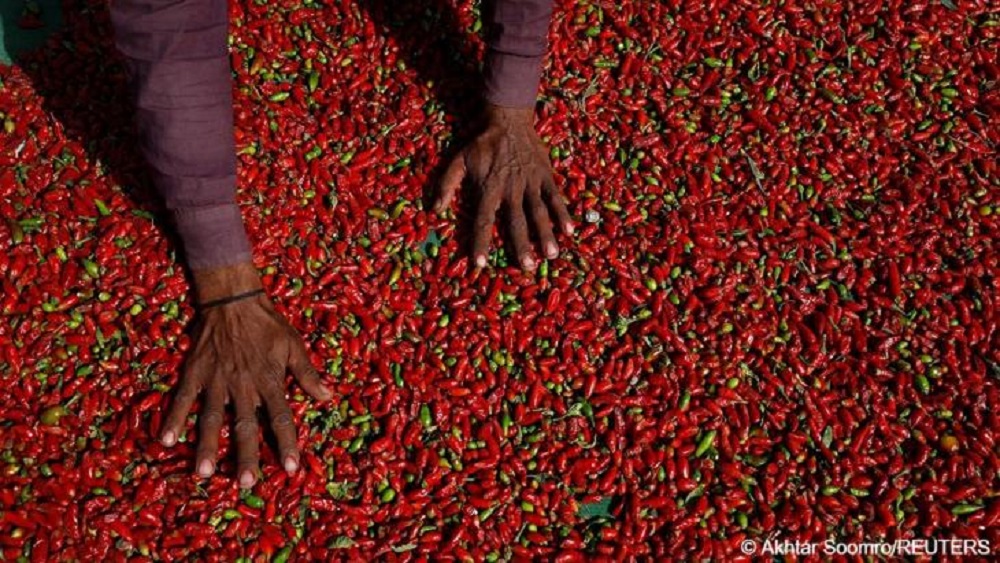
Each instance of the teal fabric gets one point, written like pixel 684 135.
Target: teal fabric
pixel 13 39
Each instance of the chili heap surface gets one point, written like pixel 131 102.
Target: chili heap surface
pixel 776 318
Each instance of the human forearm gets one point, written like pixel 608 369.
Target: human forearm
pixel 211 284
pixel 516 44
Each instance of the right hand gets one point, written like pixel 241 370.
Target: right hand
pixel 239 354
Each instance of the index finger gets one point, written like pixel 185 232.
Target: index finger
pixel 540 214
pixel 558 205
pixel 283 426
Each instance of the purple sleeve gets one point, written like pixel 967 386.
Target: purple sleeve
pixel 178 64
pixel 516 46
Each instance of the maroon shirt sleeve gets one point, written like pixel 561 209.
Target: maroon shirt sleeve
pixel 516 46
pixel 178 64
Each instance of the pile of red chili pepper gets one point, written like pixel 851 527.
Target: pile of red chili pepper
pixel 778 318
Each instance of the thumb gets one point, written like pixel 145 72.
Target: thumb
pixel 450 183
pixel 305 373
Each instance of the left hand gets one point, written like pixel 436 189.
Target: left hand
pixel 510 165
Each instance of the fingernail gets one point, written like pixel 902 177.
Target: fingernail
pixel 551 250
pixel 246 479
pixel 205 468
pixel 569 228
pixel 168 438
pixel 290 464
pixel 480 261
pixel 325 393
pixel 528 262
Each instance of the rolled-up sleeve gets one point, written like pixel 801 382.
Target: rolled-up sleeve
pixel 516 43
pixel 178 65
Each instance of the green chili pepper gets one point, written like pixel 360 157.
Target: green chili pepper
pixel 705 443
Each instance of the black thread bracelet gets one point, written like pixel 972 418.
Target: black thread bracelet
pixel 231 299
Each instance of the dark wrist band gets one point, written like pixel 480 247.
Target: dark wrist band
pixel 231 299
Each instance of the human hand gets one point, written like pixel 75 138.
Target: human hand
pixel 239 354
pixel 511 167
